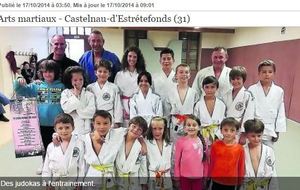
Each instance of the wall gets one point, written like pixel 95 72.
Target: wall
pixel 114 40
pixel 19 39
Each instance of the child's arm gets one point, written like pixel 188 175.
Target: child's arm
pixel 280 125
pixel 23 89
pixel 132 106
pixel 69 102
pixel 178 154
pixel 241 167
pixel 118 108
pixel 87 111
pixel 46 172
pixel 144 146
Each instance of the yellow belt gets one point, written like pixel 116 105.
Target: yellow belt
pixel 209 131
pixel 104 168
pixel 254 183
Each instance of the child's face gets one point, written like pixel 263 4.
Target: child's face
pixel 266 74
pixel 144 84
pixel 229 133
pixel 166 61
pixel 64 130
pixel 135 131
pixel 157 129
pixel 102 125
pixel 48 76
pixel 210 89
pixel 254 138
pixel 237 82
pixel 102 74
pixel 191 127
pixel 132 59
pixel 183 74
pixel 77 80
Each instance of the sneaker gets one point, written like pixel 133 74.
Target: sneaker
pixel 39 170
pixel 3 118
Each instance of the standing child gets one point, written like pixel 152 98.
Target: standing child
pixel 106 93
pixel 227 159
pixel 259 158
pixel 102 146
pixel 190 156
pixel 77 101
pixel 67 159
pixel 269 102
pixel 145 103
pixel 48 94
pixel 180 101
pixel 131 165
pixel 159 151
pixel 210 110
pixel 133 63
pixel 239 102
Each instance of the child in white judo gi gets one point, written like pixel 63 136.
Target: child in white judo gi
pixel 131 165
pixel 159 151
pixel 210 110
pixel 269 102
pixel 66 161
pixel 77 101
pixel 259 159
pixel 106 93
pixel 239 101
pixel 180 101
pixel 145 103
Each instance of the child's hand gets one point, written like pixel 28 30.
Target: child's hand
pixel 144 146
pixel 76 90
pixel 37 81
pixel 242 139
pixel 56 139
pixel 97 137
pixel 21 81
pixel 275 139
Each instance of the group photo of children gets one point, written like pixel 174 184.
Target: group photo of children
pixel 111 120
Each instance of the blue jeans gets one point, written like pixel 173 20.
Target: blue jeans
pixel 3 102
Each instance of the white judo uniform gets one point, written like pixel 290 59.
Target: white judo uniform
pixel 241 107
pixel 210 124
pixel 269 109
pixel 81 109
pixel 147 107
pixel 69 165
pixel 265 178
pixel 163 84
pixel 175 108
pixel 108 98
pixel 101 166
pixel 127 83
pixel 131 171
pixel 159 163
pixel 224 82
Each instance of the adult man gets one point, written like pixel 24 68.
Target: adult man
pixel 3 102
pixel 89 58
pixel 58 45
pixel 218 69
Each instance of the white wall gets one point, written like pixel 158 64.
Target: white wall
pixel 19 39
pixel 161 38
pixel 114 40
pixel 244 36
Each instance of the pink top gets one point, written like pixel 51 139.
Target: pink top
pixel 188 158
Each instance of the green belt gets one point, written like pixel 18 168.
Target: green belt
pixel 254 183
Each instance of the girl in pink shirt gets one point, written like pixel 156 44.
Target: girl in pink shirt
pixel 190 156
